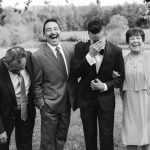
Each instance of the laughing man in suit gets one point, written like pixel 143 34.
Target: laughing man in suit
pixel 54 93
pixel 16 104
pixel 94 63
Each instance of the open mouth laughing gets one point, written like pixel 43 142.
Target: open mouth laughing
pixel 136 44
pixel 53 37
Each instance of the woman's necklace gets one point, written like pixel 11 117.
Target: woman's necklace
pixel 135 59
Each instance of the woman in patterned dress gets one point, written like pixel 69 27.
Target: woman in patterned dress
pixel 136 93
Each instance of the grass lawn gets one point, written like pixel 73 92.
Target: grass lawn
pixel 75 139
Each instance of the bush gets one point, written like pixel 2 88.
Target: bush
pixel 117 28
pixel 13 35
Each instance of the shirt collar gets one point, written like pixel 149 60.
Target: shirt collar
pixel 54 47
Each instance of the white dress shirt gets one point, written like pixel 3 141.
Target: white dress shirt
pixel 15 79
pixel 53 48
pixel 98 61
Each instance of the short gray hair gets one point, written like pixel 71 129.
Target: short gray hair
pixel 14 53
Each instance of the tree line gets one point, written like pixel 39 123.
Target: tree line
pixel 20 26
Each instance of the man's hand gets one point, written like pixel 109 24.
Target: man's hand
pixel 3 138
pixel 95 48
pixel 97 85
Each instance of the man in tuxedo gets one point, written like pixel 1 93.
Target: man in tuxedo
pixel 53 87
pixel 99 65
pixel 16 99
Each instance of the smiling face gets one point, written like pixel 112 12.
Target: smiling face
pixel 52 33
pixel 136 43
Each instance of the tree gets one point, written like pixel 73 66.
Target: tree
pixel 116 28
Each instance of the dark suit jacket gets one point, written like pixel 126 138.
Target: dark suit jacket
pixel 112 61
pixel 8 98
pixel 51 86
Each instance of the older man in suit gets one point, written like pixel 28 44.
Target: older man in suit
pixel 99 65
pixel 53 88
pixel 16 99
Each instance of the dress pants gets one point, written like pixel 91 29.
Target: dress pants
pixel 89 117
pixel 54 129
pixel 23 131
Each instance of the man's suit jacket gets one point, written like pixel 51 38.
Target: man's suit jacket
pixel 51 86
pixel 112 61
pixel 7 96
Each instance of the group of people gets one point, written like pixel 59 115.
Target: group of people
pixel 58 77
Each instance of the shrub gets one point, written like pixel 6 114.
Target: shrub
pixel 117 28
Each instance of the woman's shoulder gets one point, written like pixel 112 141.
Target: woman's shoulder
pixel 126 57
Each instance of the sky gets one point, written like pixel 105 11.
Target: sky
pixel 63 2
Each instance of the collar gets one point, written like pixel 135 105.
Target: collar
pixel 54 47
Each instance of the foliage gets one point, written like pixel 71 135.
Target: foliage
pixel 29 23
pixel 117 28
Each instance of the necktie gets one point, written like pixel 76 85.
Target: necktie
pixel 60 60
pixel 24 111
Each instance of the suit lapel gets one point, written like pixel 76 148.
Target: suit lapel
pixel 107 56
pixel 7 81
pixel 66 52
pixel 28 66
pixel 49 53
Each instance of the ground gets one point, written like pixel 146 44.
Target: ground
pixel 75 140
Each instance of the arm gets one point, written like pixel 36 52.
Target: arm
pixel 120 69
pixel 37 82
pixel 80 65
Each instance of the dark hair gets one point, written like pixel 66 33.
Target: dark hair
pixel 50 20
pixel 95 25
pixel 14 53
pixel 135 32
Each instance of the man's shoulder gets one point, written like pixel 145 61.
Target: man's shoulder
pixel 2 65
pixel 114 46
pixel 81 44
pixel 40 50
pixel 1 62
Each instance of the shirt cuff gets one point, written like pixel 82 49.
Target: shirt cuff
pixel 105 87
pixel 41 106
pixel 90 59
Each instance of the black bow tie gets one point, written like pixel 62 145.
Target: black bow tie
pixel 101 52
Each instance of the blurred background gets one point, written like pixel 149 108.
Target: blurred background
pixel 21 20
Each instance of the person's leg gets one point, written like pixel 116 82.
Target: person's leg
pixel 62 129
pixel 89 121
pixel 23 133
pixel 106 126
pixel 49 123
pixel 132 147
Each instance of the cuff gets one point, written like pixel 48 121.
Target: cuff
pixel 90 59
pixel 41 106
pixel 105 87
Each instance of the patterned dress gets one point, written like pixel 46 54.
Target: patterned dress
pixel 136 103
